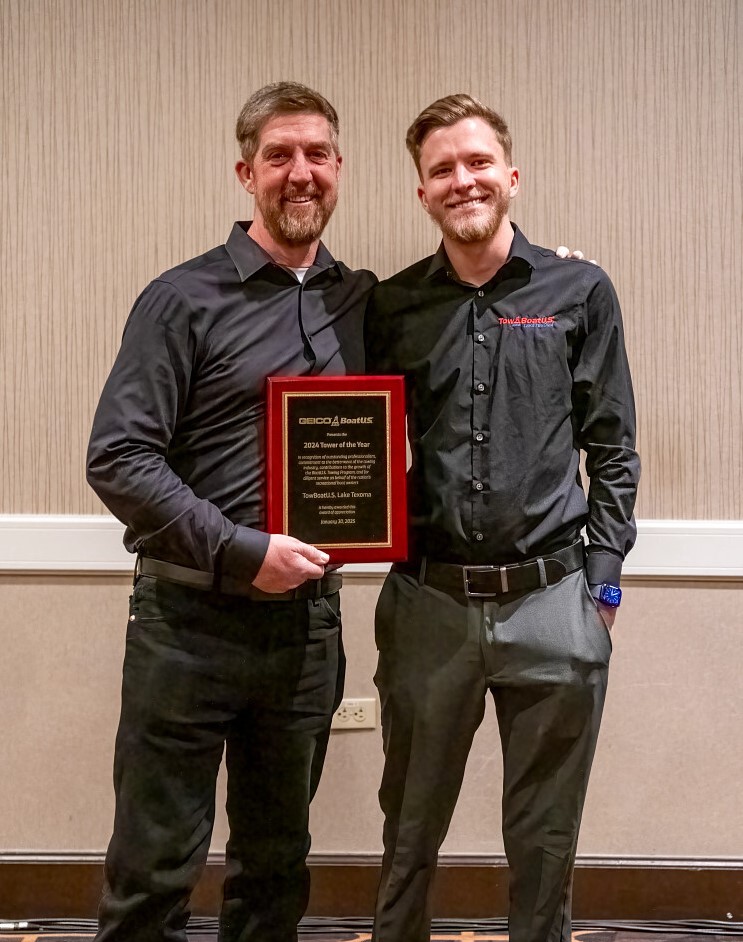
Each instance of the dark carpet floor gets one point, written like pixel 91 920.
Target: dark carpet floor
pixel 478 933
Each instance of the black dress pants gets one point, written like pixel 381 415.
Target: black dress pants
pixel 544 657
pixel 206 674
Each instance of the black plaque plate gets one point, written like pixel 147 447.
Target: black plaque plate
pixel 336 464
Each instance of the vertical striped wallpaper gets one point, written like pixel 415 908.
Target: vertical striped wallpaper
pixel 117 124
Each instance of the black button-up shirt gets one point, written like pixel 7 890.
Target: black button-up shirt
pixel 177 447
pixel 506 383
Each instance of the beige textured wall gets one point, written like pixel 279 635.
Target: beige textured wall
pixel 116 134
pixel 117 155
pixel 666 780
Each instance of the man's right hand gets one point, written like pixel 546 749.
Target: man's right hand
pixel 288 563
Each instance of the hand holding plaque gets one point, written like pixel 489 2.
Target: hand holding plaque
pixel 336 464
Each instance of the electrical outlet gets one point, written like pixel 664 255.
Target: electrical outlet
pixel 355 714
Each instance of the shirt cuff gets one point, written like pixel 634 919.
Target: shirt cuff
pixel 242 558
pixel 603 566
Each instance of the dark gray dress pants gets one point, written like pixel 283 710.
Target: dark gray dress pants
pixel 544 657
pixel 206 674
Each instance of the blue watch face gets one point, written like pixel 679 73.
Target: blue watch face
pixel 610 595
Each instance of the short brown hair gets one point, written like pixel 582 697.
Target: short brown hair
pixel 447 111
pixel 275 99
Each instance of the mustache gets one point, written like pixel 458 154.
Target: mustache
pixel 291 192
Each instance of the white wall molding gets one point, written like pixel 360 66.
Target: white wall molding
pixel 373 859
pixel 92 544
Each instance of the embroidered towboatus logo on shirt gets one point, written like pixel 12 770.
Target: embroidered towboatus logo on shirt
pixel 524 320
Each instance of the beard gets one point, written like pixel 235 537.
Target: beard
pixel 477 225
pixel 297 224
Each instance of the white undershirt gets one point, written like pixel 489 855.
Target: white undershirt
pixel 301 272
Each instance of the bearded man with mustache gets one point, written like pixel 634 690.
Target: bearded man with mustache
pixel 233 638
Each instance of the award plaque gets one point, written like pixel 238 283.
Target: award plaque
pixel 336 464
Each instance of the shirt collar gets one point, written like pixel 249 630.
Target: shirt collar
pixel 520 248
pixel 249 257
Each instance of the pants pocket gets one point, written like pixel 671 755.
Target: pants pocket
pixel 324 616
pixel 595 609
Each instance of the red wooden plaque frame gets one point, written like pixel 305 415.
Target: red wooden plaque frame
pixel 308 484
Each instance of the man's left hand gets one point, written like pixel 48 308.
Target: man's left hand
pixel 608 613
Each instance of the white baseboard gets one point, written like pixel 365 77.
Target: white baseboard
pixel 92 544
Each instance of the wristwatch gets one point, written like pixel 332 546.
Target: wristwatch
pixel 607 593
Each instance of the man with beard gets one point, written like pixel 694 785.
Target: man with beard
pixel 233 638
pixel 514 363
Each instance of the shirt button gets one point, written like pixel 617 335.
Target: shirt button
pixel 478 485
pixel 480 338
pixel 480 387
pixel 479 437
pixel 481 294
pixel 479 537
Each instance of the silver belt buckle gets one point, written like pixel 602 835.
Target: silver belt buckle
pixel 466 570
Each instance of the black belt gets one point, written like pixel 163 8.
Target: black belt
pixel 197 579
pixel 488 581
